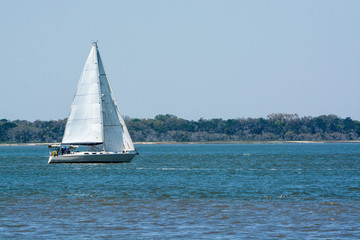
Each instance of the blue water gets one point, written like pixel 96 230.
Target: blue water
pixel 214 191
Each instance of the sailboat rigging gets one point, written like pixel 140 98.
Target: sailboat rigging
pixel 94 122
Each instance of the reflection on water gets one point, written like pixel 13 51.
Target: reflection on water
pixel 185 191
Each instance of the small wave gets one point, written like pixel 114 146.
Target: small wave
pixel 330 204
pixel 187 169
pixel 170 169
pixel 284 196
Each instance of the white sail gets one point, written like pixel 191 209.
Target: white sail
pixel 84 125
pixel 94 121
pixel 116 135
pixel 95 117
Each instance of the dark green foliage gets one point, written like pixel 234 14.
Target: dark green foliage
pixel 167 127
pixel 276 127
pixel 20 131
pixel 5 126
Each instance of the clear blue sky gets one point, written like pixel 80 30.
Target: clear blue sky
pixel 199 58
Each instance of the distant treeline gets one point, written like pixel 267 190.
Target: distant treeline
pixel 276 127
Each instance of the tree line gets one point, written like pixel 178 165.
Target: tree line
pixel 167 127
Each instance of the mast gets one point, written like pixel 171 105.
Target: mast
pixel 100 95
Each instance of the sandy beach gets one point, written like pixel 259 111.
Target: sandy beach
pixel 215 142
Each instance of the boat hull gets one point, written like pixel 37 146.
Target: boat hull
pixel 93 158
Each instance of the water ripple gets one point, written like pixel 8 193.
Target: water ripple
pixel 218 191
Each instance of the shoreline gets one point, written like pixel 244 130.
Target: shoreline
pixel 215 142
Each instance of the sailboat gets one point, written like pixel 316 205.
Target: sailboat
pixel 95 132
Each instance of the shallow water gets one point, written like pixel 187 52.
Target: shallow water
pixel 212 191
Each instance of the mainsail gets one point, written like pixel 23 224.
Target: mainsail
pixel 94 116
pixel 116 135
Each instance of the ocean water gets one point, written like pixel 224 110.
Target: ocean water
pixel 190 191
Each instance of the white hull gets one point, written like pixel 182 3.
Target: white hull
pixel 83 157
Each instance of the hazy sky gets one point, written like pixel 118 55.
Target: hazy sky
pixel 199 58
